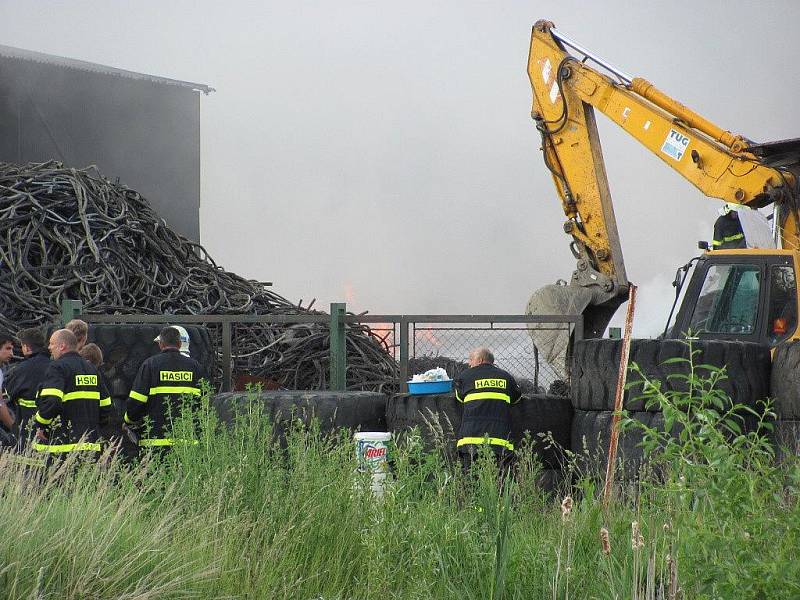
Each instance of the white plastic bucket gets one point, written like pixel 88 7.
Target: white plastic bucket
pixel 372 451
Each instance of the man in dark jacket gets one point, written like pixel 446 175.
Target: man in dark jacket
pixel 728 232
pixel 24 380
pixel 162 385
pixel 487 393
pixel 70 390
pixel 7 424
pixel 81 331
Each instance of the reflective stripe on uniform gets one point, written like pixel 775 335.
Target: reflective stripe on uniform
pixel 105 401
pixel 174 389
pixel 40 419
pixel 51 392
pixel 728 238
pixel 485 440
pixel 80 395
pixel 138 396
pixel 127 419
pixel 487 396
pixel 27 403
pixel 151 442
pixel 56 448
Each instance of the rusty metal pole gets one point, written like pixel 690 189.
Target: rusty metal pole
pixel 621 377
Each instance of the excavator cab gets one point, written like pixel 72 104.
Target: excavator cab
pixel 746 295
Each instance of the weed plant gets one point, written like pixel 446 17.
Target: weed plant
pixel 730 508
pixel 246 513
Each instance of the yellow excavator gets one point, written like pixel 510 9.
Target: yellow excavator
pixel 746 294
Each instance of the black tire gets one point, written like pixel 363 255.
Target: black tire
pixel 112 428
pixel 785 437
pixel 438 417
pixel 7 438
pixel 785 381
pixel 548 420
pixel 591 431
pixel 551 481
pixel 125 348
pixel 596 363
pixel 365 411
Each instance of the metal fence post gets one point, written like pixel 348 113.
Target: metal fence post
pixel 338 347
pixel 579 327
pixel 227 384
pixel 403 354
pixel 70 309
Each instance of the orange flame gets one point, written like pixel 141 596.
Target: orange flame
pixel 384 332
pixel 349 293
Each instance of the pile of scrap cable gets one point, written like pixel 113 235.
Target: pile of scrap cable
pixel 69 233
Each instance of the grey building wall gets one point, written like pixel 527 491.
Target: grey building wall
pixel 144 133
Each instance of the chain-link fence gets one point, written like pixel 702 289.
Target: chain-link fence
pixel 379 352
pixel 440 341
pixel 511 344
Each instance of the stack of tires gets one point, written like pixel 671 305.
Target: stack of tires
pixel 785 392
pixel 547 419
pixel 594 384
pixel 363 411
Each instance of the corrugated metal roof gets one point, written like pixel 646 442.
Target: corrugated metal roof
pixel 82 65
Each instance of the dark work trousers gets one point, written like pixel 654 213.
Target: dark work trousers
pixel 468 455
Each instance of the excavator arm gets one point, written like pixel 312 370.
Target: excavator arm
pixel 566 92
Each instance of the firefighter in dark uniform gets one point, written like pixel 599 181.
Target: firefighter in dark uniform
pixel 728 233
pixel 487 393
pixel 24 381
pixel 70 393
pixel 164 383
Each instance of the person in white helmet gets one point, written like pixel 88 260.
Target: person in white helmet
pixel 164 383
pixel 184 349
pixel 728 232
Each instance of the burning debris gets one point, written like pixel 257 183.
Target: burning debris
pixel 70 233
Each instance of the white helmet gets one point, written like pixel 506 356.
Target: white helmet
pixel 184 339
pixel 728 207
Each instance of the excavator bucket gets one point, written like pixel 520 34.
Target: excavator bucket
pixel 553 341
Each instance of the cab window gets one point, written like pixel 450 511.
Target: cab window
pixel 728 302
pixel 782 313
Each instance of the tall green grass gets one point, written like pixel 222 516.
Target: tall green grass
pixel 243 515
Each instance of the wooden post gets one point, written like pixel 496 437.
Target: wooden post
pixel 621 377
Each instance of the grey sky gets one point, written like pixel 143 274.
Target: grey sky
pixel 384 153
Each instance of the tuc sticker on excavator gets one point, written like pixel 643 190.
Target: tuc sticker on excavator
pixel 675 144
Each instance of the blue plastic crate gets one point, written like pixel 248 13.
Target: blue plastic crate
pixel 419 388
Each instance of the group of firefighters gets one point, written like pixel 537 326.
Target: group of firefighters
pixel 56 402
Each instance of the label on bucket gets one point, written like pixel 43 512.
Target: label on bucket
pixel 372 451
